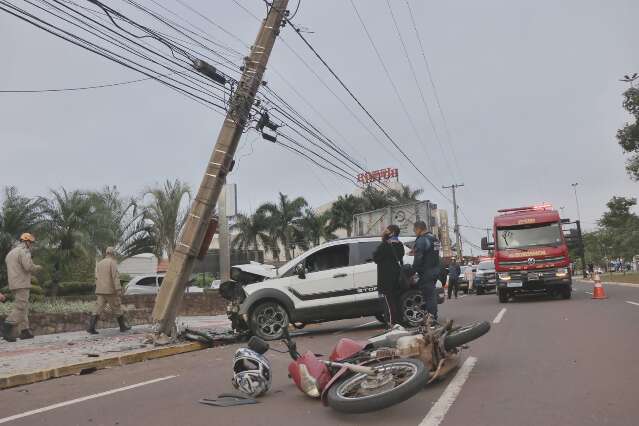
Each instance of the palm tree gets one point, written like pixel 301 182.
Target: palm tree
pixel 120 223
pixel 281 217
pixel 342 211
pixel 252 231
pixel 165 213
pixel 374 199
pixel 18 214
pixel 405 195
pixel 314 228
pixel 66 221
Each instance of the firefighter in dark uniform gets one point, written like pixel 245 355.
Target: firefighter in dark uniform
pixel 427 264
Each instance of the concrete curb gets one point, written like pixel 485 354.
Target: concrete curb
pixel 98 364
pixel 609 283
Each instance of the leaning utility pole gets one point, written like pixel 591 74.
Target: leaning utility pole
pixel 220 164
pixel 458 241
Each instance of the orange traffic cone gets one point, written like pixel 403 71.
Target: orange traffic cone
pixel 598 291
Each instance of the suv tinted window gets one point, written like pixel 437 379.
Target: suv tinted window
pixel 328 258
pixel 365 252
pixel 147 282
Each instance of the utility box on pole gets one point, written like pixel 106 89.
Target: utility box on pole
pixel 218 167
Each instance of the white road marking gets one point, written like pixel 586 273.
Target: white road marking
pixel 499 316
pixel 632 303
pixel 587 292
pixel 84 398
pixel 446 400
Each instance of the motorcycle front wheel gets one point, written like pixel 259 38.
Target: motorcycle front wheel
pixel 395 382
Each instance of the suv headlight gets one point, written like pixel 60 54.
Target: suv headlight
pixel 562 272
pixel 504 276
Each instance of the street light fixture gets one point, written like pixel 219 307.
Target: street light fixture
pixel 574 187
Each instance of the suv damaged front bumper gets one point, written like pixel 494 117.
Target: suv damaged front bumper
pixel 234 292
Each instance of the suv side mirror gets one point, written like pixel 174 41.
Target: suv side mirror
pixel 300 270
pixel 485 245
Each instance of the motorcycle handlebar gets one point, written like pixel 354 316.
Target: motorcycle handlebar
pixel 291 345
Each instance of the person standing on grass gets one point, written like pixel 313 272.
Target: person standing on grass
pixel 19 270
pixel 389 258
pixel 108 291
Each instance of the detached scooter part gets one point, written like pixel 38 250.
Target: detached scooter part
pixel 228 400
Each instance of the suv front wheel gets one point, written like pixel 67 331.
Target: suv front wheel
pixel 269 320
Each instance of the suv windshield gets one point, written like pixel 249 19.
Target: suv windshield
pixel 547 234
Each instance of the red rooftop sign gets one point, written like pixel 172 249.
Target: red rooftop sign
pixel 378 175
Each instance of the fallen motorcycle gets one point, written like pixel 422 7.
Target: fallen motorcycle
pixel 363 376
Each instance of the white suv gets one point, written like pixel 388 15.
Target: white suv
pixel 335 280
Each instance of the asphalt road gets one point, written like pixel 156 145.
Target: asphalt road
pixel 545 362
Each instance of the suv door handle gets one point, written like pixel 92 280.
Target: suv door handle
pixel 340 275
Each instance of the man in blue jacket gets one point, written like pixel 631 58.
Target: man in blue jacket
pixel 427 264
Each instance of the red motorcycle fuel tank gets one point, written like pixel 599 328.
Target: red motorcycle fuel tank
pixel 315 367
pixel 346 348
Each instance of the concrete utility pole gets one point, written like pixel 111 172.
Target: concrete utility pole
pixel 224 238
pixel 458 241
pixel 220 164
pixel 574 186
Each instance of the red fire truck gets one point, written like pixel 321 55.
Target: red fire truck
pixel 531 255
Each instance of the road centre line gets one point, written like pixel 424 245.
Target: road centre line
pixel 446 400
pixel 588 292
pixel 499 316
pixel 632 303
pixel 84 398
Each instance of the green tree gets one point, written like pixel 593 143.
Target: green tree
pixel 252 232
pixel 18 214
pixel 165 212
pixel 619 232
pixel 342 211
pixel 405 195
pixel 373 199
pixel 119 222
pixel 314 228
pixel 282 216
pixel 67 226
pixel 628 136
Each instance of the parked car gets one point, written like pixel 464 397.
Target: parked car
pixel 485 278
pixel 150 284
pixel 335 280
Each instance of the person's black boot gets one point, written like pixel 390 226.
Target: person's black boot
pixel 26 334
pixel 123 326
pixel 7 332
pixel 92 323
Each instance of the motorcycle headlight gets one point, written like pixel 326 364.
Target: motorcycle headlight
pixel 308 383
pixel 562 272
pixel 504 276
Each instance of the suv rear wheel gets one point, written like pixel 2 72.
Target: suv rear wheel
pixel 269 320
pixel 412 308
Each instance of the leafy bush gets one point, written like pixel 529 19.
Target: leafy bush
pixel 75 288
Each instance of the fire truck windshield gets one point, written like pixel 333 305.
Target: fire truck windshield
pixel 547 234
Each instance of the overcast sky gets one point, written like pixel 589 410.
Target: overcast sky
pixel 529 89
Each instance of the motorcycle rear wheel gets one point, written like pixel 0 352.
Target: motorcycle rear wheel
pixel 401 379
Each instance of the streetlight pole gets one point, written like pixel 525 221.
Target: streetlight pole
pixel 574 187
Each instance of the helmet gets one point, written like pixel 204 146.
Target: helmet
pixel 27 237
pixel 251 372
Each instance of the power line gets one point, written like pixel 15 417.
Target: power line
pixel 391 81
pixel 373 119
pixel 419 87
pixel 432 83
pixel 71 89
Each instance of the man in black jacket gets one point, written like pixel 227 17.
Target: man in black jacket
pixel 427 264
pixel 453 278
pixel 389 257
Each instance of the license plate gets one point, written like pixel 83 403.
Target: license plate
pixel 491 281
pixel 533 277
pixel 514 284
